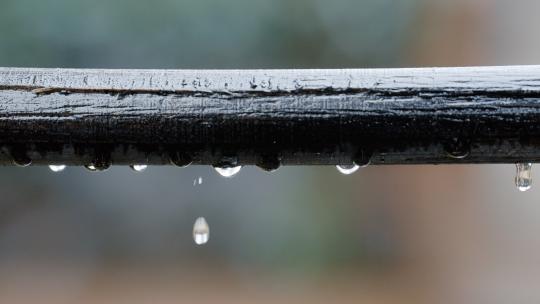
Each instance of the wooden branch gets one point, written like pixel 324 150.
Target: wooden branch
pixel 270 117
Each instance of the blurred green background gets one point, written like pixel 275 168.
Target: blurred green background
pixel 395 234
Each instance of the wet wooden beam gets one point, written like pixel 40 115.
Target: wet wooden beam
pixel 270 117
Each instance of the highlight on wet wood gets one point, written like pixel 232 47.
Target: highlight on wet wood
pixel 270 117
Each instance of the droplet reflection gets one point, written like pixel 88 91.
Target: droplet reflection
pixel 57 168
pixel 91 168
pixel 94 168
pixel 229 171
pixel 138 168
pixel 347 169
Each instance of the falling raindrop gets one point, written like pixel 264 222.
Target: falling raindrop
pixel 201 231
pixel 57 168
pixel 197 181
pixel 228 171
pixel 138 168
pixel 348 169
pixel 523 176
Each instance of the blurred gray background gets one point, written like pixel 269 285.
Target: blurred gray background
pixel 395 234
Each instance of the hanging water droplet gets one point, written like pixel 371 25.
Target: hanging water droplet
pixel 228 171
pixel 197 181
pixel 348 169
pixel 201 231
pixel 57 168
pixel 138 168
pixel 523 176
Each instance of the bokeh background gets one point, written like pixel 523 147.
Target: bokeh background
pixel 392 234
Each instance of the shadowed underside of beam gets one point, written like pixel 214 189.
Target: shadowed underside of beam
pixel 270 117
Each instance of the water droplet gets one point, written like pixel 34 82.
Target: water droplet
pixel 348 169
pixel 197 181
pixel 57 168
pixel 138 168
pixel 228 171
pixel 201 231
pixel 523 176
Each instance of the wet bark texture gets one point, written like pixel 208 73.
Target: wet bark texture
pixel 270 117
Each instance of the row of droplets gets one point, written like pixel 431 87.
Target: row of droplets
pixel 60 168
pixel 523 178
pixel 225 171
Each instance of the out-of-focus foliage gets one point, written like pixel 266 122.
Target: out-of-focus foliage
pixel 203 34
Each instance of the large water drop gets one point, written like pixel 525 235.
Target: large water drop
pixel 57 168
pixel 201 231
pixel 228 171
pixel 138 168
pixel 523 176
